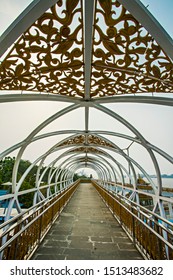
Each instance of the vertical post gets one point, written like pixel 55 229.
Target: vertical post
pixel 133 226
pixel 120 211
pixel 40 226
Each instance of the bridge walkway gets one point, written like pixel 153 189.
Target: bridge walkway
pixel 86 230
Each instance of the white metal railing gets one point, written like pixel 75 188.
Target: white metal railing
pixel 21 235
pixel 151 233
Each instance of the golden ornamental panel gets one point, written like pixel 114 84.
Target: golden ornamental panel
pixel 77 140
pixel 86 140
pixel 126 59
pixel 48 57
pixel 87 150
pixel 92 139
pixel 95 151
pixel 79 150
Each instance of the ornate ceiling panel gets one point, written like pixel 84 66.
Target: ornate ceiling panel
pixel 49 56
pixel 99 141
pixel 126 59
pixel 87 150
pixel 87 140
pixel 74 140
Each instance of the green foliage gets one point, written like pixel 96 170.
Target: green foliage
pixel 26 199
pixel 6 170
pixel 77 176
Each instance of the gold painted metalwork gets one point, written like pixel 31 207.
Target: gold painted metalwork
pixel 79 150
pixel 48 57
pixel 76 140
pixel 94 151
pixel 126 59
pixel 86 140
pixel 92 139
pixel 87 150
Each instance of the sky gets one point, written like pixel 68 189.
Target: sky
pixel 18 119
pixel 162 11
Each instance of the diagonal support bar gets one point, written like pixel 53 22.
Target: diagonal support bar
pixel 141 13
pixel 23 22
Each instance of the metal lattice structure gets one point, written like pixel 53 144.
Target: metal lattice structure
pixel 88 53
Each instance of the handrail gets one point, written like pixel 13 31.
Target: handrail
pixel 142 207
pixel 34 206
pixel 134 221
pixel 48 211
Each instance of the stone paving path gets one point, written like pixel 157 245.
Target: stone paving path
pixel 86 230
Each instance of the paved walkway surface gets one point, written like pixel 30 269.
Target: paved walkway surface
pixel 86 230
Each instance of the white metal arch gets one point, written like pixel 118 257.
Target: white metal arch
pixel 29 16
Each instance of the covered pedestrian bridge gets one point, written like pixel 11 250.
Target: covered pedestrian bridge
pixel 88 57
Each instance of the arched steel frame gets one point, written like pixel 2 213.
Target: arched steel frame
pixel 111 133
pixel 97 162
pixel 53 149
pixel 69 138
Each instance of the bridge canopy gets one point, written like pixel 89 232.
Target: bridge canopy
pixel 89 56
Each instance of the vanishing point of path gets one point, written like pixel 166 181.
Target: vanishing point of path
pixel 86 230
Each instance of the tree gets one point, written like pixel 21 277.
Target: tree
pixel 6 168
